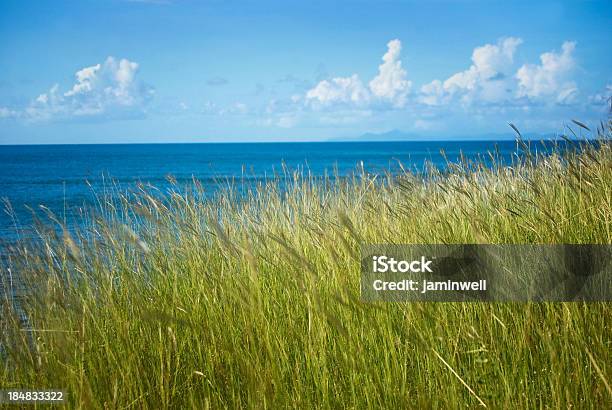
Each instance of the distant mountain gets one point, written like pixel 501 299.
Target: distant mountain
pixel 393 135
pixel 398 135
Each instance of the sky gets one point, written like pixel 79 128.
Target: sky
pixel 184 71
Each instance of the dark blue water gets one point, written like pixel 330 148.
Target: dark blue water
pixel 56 175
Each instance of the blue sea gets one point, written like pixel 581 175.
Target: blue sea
pixel 57 176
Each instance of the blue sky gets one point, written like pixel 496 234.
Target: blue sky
pixel 164 71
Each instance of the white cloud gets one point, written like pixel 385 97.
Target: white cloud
pixel 486 80
pixel 391 84
pixel 85 82
pixel 489 62
pixel 107 89
pixel 8 113
pixel 490 86
pixel 602 99
pixel 339 90
pixel 433 93
pixel 550 77
pixel 283 113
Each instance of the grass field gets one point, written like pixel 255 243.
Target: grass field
pixel 168 300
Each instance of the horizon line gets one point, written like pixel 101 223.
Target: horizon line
pixel 328 141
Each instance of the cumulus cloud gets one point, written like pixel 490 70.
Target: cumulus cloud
pixel 489 63
pixel 389 86
pixel 486 80
pixel 339 90
pixel 433 93
pixel 490 84
pixel 106 89
pixel 494 83
pixel 550 77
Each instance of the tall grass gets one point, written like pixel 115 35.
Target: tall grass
pixel 170 300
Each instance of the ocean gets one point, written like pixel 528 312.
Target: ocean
pixel 59 176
